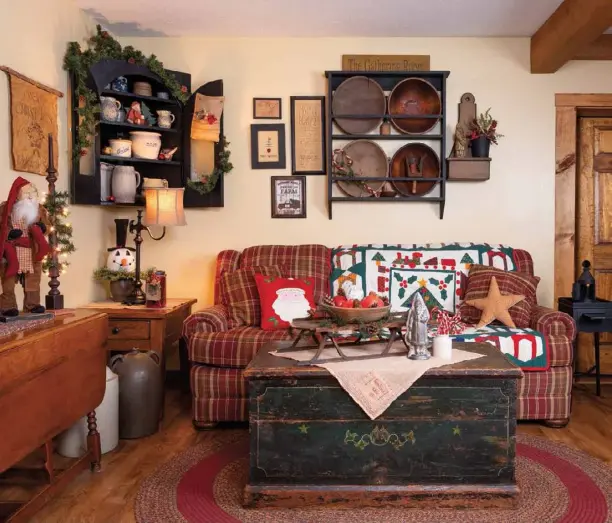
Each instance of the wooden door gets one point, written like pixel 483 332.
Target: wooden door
pixel 594 223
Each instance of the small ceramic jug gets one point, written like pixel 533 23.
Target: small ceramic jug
pixel 166 118
pixel 121 115
pixel 124 183
pixel 120 84
pixel 110 108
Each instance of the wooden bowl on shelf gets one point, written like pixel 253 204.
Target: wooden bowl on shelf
pixel 414 97
pixel 359 95
pixel 347 315
pixel 424 159
pixel 368 160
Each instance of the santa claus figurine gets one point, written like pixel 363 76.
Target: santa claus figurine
pixel 24 223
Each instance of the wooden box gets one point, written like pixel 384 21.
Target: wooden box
pixel 448 441
pixel 469 169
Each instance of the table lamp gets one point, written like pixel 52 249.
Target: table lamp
pixel 163 206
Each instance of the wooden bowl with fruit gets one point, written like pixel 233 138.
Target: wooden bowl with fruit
pixel 369 309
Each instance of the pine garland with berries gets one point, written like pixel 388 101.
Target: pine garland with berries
pixel 102 46
pixel 60 241
pixel 208 182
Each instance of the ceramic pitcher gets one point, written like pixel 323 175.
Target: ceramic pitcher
pixel 165 118
pixel 110 108
pixel 124 182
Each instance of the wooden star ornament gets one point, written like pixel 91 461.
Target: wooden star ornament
pixel 495 306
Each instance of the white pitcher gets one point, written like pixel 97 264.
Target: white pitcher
pixel 165 118
pixel 110 108
pixel 124 182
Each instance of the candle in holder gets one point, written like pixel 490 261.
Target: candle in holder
pixel 443 347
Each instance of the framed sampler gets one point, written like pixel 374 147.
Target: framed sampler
pixel 308 135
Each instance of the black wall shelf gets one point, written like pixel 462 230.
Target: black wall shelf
pixel 86 188
pixel 387 81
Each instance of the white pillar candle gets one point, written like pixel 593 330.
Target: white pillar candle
pixel 443 347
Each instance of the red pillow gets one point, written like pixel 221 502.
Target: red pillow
pixel 283 300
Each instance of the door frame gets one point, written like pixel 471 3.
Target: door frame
pixel 568 107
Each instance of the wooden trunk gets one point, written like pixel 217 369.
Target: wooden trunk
pixel 447 441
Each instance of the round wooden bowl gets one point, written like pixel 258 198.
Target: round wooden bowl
pixel 413 97
pixel 358 315
pixel 357 96
pixel 415 152
pixel 369 160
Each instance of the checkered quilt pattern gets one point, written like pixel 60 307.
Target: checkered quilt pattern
pixel 219 352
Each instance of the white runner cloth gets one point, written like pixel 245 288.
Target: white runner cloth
pixel 375 384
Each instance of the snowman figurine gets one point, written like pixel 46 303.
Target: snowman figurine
pixel 121 258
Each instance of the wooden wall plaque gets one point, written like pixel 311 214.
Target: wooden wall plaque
pixel 308 135
pixel 385 62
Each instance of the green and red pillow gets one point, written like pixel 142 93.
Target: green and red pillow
pixel 283 300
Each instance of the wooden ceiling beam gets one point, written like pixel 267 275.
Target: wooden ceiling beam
pixel 600 49
pixel 572 28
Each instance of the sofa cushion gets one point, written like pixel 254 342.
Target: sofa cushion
pixel 478 284
pixel 233 348
pixel 283 300
pixel 298 261
pixel 239 294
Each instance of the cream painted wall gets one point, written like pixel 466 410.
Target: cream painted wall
pixel 33 38
pixel 515 207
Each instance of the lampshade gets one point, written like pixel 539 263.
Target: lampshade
pixel 164 207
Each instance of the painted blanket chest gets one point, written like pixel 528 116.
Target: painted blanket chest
pixel 447 441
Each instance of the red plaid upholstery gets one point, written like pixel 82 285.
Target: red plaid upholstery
pixel 233 348
pixel 512 282
pixel 213 319
pixel 218 354
pixel 227 261
pixel 523 261
pixel 239 294
pixel 300 260
pixel 545 395
pixel 552 323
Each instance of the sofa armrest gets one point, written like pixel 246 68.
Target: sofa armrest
pixel 212 319
pixel 552 323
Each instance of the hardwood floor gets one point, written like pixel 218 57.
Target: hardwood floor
pixel 108 497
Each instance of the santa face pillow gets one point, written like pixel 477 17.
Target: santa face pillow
pixel 283 300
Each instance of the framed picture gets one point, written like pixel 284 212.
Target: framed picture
pixel 288 197
pixel 308 135
pixel 267 109
pixel 268 146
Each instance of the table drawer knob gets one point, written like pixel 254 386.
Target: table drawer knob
pixel 115 330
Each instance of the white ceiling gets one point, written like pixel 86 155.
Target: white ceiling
pixel 363 18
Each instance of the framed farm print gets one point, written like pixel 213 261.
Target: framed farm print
pixel 288 197
pixel 267 109
pixel 308 135
pixel 268 146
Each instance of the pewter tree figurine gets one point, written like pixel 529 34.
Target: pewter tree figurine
pixel 416 329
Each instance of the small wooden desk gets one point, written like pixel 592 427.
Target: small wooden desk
pixel 135 326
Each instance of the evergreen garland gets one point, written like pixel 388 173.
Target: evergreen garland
pixel 102 46
pixel 56 205
pixel 208 181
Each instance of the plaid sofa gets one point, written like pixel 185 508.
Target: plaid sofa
pixel 219 351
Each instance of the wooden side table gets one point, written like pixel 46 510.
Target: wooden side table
pixel 135 326
pixel 590 316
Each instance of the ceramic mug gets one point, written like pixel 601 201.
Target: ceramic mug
pixel 165 118
pixel 110 108
pixel 163 95
pixel 154 183
pixel 121 115
pixel 120 84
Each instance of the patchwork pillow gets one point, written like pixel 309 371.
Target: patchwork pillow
pixel 238 291
pixel 283 300
pixel 437 287
pixel 509 282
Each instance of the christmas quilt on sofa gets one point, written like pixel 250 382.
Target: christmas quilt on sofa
pixel 439 273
